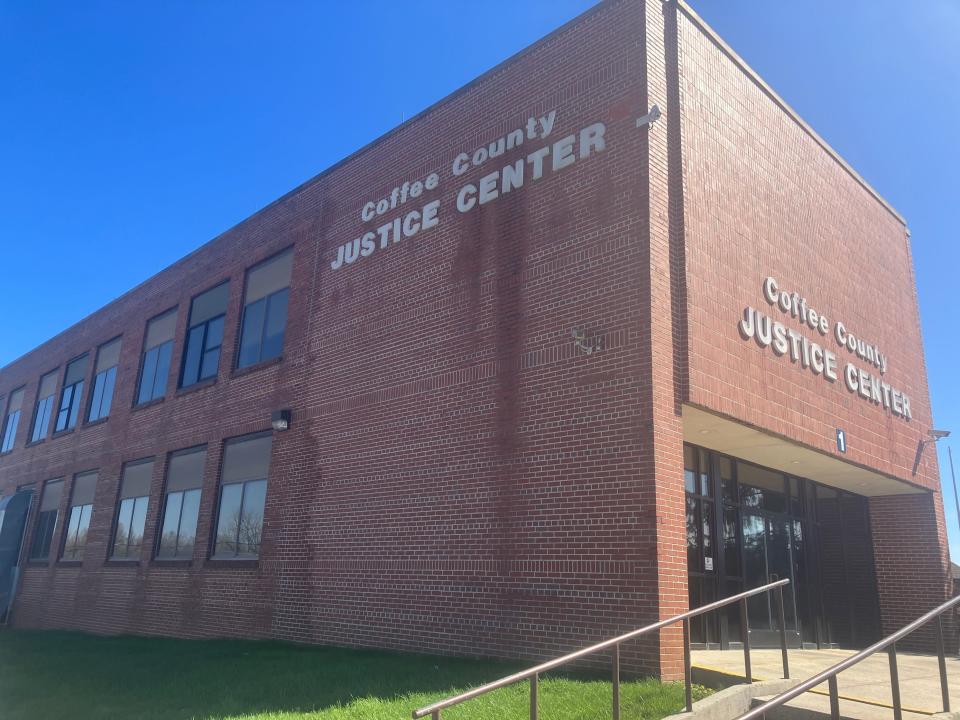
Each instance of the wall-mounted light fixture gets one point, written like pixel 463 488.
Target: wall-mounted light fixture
pixel 588 343
pixel 280 420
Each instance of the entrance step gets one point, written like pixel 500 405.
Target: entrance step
pixel 813 706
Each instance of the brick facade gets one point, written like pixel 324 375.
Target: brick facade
pixel 459 477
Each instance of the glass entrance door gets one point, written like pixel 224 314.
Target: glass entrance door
pixel 767 557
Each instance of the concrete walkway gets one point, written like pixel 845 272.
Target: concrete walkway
pixel 864 688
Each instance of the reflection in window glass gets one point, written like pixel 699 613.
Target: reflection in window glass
pixel 157 350
pixel 70 395
pixel 228 526
pixel 130 525
pixel 104 380
pixel 689 469
pixel 265 310
pixel 201 358
pixel 243 494
pixel 12 420
pixel 44 410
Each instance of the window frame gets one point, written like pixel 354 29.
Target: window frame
pixel 165 495
pixel 96 375
pixel 212 554
pixel 37 412
pixel 266 300
pixel 69 517
pixel 32 557
pixel 205 324
pixel 7 436
pixel 144 350
pixel 112 557
pixel 76 396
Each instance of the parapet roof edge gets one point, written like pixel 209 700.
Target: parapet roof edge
pixel 761 83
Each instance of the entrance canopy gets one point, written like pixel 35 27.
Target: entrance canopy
pixel 742 441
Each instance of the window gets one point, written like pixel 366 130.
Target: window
pixel 46 520
pixel 132 511
pixel 104 380
pixel 201 356
pixel 157 349
pixel 70 395
pixel 182 504
pixel 41 418
pixel 13 420
pixel 78 522
pixel 265 310
pixel 243 491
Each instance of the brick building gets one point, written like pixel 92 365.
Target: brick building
pixel 520 374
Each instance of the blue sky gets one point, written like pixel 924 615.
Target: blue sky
pixel 131 133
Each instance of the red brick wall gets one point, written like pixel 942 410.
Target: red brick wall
pixel 764 198
pixel 458 478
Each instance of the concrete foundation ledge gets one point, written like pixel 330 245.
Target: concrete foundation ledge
pixel 733 701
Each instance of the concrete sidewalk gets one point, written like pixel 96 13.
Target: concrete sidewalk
pixel 867 684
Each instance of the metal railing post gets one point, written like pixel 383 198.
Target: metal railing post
pixel 687 670
pixel 745 639
pixel 942 659
pixel 834 698
pixel 895 682
pixel 783 634
pixel 616 682
pixel 534 681
pixel 533 674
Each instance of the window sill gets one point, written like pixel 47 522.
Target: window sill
pixel 7 452
pixel 61 433
pixel 69 563
pixel 196 387
pixel 224 563
pixel 122 563
pixel 34 443
pixel 240 372
pixel 171 563
pixel 94 423
pixel 148 404
pixel 38 563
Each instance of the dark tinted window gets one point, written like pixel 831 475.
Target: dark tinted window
pixel 46 523
pixel 157 351
pixel 104 380
pixel 201 357
pixel 12 420
pixel 265 310
pixel 70 394
pixel 44 409
pixel 132 510
pixel 182 504
pixel 78 517
pixel 243 492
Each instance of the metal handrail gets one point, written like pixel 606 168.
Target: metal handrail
pixel 889 642
pixel 534 673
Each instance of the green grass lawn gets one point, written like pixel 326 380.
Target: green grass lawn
pixel 72 675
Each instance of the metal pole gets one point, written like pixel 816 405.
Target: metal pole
pixel 783 634
pixel 942 659
pixel 435 715
pixel 687 681
pixel 616 682
pixel 953 476
pixel 834 698
pixel 534 681
pixel 745 639
pixel 895 682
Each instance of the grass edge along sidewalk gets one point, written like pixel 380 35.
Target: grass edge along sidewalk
pixel 58 674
